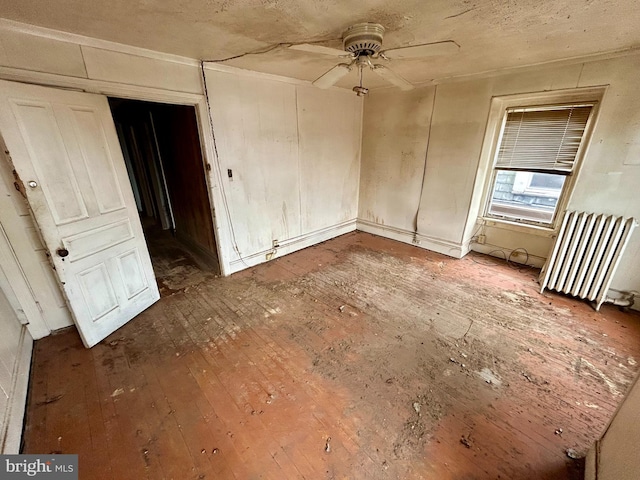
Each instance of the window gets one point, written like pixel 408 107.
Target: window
pixel 537 152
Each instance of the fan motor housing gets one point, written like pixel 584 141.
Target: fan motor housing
pixel 363 38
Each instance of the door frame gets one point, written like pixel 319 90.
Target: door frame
pixel 19 292
pixel 213 177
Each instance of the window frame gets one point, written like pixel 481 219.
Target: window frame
pixel 495 128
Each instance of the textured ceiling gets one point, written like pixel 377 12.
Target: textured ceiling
pixel 492 34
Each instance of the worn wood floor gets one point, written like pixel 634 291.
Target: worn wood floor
pixel 360 358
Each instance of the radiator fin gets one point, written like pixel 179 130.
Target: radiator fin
pixel 586 255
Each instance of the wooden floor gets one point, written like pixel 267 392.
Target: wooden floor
pixel 360 358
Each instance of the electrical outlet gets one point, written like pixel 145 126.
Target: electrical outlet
pixel 276 244
pixel 482 239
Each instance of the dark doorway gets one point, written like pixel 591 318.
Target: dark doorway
pixel 163 154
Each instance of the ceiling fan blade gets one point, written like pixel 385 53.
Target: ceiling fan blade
pixel 332 76
pixel 423 50
pixel 312 48
pixel 392 77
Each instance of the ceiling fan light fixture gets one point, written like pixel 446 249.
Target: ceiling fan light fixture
pixel 363 38
pixel 362 42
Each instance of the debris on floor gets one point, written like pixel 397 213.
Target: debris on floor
pixel 117 392
pixel 466 441
pixel 571 453
pixel 489 377
pixel 327 445
pixel 51 399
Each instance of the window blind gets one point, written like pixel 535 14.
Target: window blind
pixel 542 139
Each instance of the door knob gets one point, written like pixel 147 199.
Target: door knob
pixel 62 252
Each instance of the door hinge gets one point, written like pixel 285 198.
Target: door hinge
pixel 17 183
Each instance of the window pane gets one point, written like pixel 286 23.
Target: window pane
pixel 526 196
pixel 547 180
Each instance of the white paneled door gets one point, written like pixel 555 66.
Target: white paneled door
pixel 65 150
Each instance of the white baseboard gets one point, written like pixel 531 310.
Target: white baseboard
pixel 14 415
pixel 292 245
pixel 446 247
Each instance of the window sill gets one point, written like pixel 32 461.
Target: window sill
pixel 537 230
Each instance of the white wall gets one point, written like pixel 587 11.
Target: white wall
pixel 450 205
pixel 294 151
pixel 395 138
pixel 615 455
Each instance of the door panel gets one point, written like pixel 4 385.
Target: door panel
pixel 66 143
pixel 50 160
pixel 133 277
pixel 97 291
pixel 102 173
pixel 92 241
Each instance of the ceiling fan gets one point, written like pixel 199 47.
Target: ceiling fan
pixel 362 44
